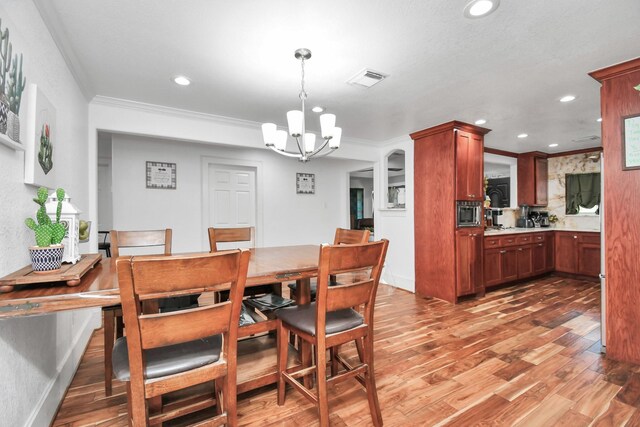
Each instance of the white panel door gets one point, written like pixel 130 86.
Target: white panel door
pixel 232 197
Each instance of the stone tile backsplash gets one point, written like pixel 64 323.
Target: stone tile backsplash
pixel 558 167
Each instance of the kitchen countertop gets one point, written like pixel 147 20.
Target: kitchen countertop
pixel 535 230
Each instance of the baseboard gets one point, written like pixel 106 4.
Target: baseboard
pixel 406 283
pixel 47 406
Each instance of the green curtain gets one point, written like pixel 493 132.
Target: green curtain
pixel 582 190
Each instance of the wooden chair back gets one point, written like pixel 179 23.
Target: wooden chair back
pixel 364 261
pixel 350 237
pixel 143 278
pixel 227 235
pixel 140 239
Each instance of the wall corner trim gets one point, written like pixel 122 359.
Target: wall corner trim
pixel 47 406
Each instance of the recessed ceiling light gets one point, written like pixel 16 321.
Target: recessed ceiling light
pixel 182 80
pixel 599 120
pixel 480 121
pixel 480 8
pixel 567 98
pixel 522 135
pixel 317 109
pixel 553 145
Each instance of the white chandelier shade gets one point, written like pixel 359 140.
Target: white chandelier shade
pixel 306 141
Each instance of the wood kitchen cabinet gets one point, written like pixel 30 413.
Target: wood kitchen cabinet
pixel 469 166
pixel 492 267
pixel 539 254
pixel 512 257
pixel 448 164
pixel 469 261
pixel 509 264
pixel 578 253
pixel 567 252
pixel 533 179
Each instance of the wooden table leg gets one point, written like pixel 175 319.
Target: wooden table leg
pixel 304 294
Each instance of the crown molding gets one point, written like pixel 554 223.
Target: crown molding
pixel 395 141
pixel 60 37
pixel 194 115
pixel 171 111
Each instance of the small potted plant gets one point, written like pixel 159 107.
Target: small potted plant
pixel 46 256
pixel 553 219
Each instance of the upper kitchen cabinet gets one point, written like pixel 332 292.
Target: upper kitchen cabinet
pixel 533 179
pixel 469 166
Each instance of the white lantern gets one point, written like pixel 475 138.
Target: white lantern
pixel 70 217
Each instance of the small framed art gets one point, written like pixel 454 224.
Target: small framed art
pixel 161 175
pixel 305 183
pixel 631 142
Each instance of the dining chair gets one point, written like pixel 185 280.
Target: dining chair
pixel 343 236
pixel 166 352
pixel 112 320
pixel 104 245
pixel 240 235
pixel 331 321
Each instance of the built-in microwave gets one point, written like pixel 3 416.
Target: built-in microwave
pixel 468 214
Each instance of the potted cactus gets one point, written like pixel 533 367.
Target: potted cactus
pixel 46 256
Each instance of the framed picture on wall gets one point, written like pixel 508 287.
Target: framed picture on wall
pixel 40 139
pixel 161 175
pixel 305 183
pixel 631 142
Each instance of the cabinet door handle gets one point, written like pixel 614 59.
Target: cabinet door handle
pixel 539 244
pixel 520 249
pixel 575 237
pixel 503 252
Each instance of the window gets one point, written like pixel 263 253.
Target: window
pixel 582 193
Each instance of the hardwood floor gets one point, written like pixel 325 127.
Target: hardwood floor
pixel 526 355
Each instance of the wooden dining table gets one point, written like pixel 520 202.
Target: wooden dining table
pixel 99 288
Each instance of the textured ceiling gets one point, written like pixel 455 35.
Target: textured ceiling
pixel 509 68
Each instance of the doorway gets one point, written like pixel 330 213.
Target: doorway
pixel 361 200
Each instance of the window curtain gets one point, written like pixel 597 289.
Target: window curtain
pixel 582 190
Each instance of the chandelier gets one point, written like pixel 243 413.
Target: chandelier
pixel 305 141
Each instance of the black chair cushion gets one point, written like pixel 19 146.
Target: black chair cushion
pixel 313 287
pixel 303 317
pixel 168 360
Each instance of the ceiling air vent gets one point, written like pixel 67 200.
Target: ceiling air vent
pixel 590 138
pixel 367 78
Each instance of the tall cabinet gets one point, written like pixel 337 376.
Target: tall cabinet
pixel 620 99
pixel 448 166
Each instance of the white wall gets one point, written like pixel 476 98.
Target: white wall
pixel 397 224
pixel 38 355
pixel 288 218
pixel 134 118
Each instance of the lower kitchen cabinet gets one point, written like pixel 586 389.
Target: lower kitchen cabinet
pixel 492 267
pixel 509 264
pixel 519 256
pixel 539 253
pixel 578 253
pixel 566 252
pixel 525 262
pixel 469 261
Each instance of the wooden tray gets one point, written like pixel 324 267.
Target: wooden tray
pixel 70 273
